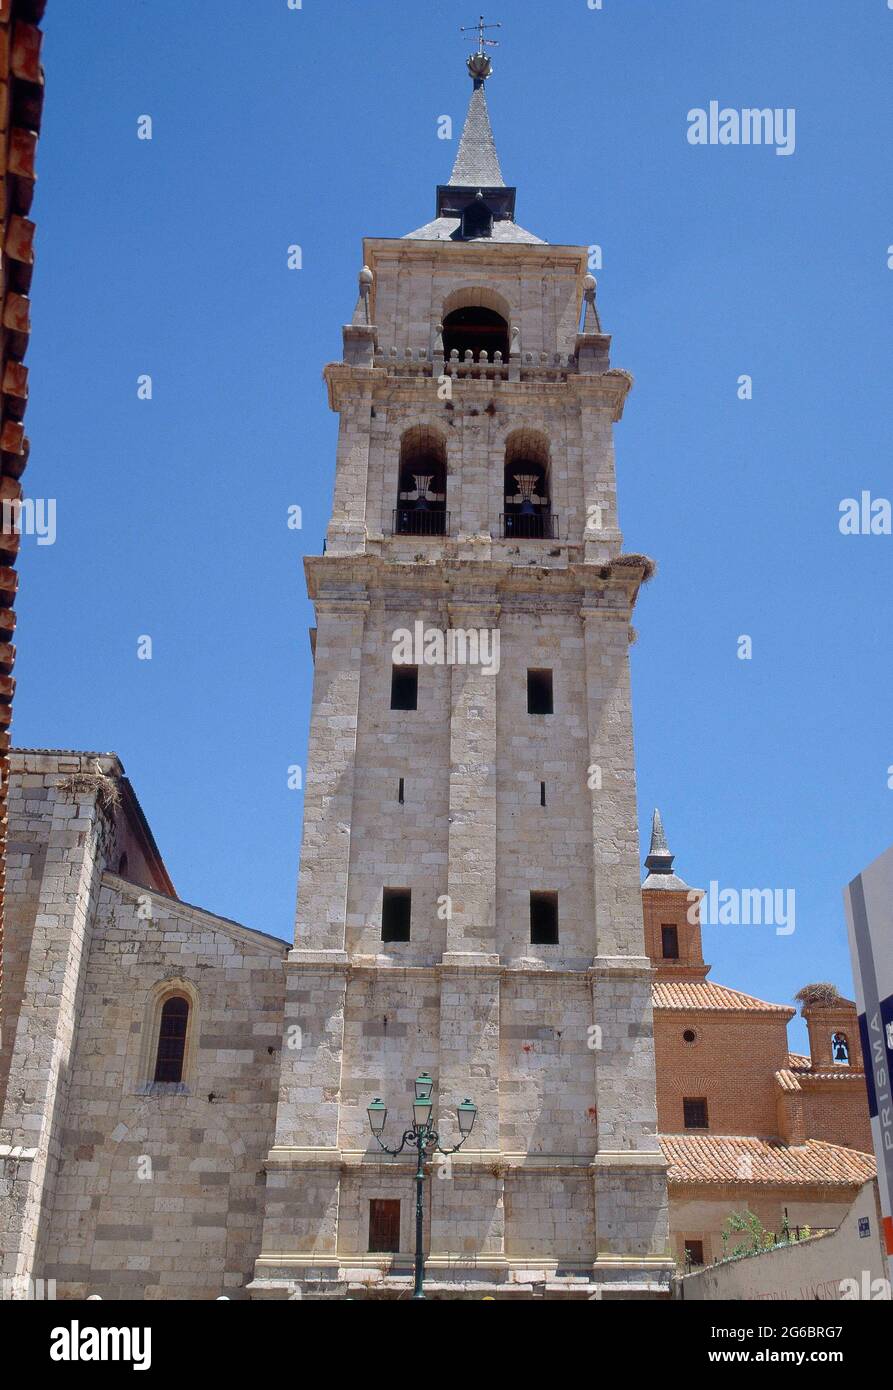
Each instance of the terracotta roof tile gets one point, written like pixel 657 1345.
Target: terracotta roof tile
pixel 703 994
pixel 841 1074
pixel 709 1158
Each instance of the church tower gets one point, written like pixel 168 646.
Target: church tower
pixel 469 901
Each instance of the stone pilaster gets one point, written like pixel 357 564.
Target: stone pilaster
pixel 629 1170
pixel 471 927
pixel 601 535
pixel 328 795
pixel 37 1089
pixel 304 1166
pixel 612 779
pixel 347 528
pixel 467 1190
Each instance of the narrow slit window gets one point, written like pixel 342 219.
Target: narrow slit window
pixel 396 914
pixel 539 692
pixel 544 919
pixel 404 687
pixel 172 1040
pixel 400 792
pixel 542 793
pixel 669 939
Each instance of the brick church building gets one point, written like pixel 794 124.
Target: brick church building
pixel 184 1100
pixel 746 1125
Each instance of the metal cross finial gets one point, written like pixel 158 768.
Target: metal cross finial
pixel 481 26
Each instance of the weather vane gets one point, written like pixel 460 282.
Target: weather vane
pixel 482 41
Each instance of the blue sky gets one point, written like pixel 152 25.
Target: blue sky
pixel 319 126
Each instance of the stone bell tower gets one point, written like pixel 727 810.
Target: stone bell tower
pixel 469 900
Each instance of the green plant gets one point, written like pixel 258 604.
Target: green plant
pixel 754 1236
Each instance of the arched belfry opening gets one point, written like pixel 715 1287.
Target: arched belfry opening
pixel 477 329
pixel 528 507
pixel 421 486
pixel 477 220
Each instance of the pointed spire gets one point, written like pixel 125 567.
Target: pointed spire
pixel 660 860
pixel 477 201
pixel 477 163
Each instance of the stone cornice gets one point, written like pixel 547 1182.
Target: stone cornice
pixel 344 381
pixel 609 388
pixel 474 1162
pixel 631 967
pixel 347 383
pixel 525 255
pixel 600 589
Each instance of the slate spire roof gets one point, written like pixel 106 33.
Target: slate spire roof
pixel 477 163
pixel 659 862
pixel 477 204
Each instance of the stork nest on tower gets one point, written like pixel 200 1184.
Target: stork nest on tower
pixel 821 993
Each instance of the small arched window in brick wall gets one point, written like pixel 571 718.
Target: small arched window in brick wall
pixel 840 1049
pixel 172 1039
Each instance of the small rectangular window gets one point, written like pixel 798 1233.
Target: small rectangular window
pixel 544 919
pixel 669 937
pixel 694 1111
pixel 542 793
pixel 384 1226
pixel 400 791
pixel 404 687
pixel 396 913
pixel 694 1252
pixel 539 692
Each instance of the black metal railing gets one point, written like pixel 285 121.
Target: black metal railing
pixel 536 526
pixel 421 521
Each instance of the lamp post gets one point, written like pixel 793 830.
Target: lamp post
pixel 425 1140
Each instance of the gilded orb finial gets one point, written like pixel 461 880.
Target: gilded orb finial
pixel 479 65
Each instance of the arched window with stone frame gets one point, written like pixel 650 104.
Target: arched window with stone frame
pixel 476 320
pixel 422 484
pixel 170 1032
pixel 527 509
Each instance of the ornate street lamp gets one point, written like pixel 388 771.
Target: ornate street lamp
pixel 426 1141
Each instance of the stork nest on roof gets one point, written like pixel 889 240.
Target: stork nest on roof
pixel 103 787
